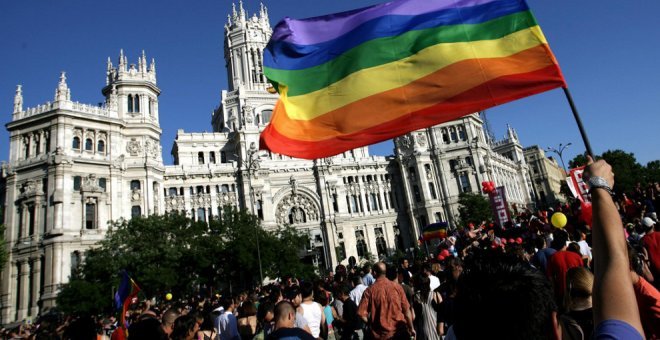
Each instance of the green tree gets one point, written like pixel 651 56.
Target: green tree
pixel 627 172
pixel 652 171
pixel 473 208
pixel 174 254
pixel 577 161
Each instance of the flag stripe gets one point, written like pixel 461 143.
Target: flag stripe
pixel 419 94
pixel 505 89
pixel 387 50
pixel 296 57
pixel 323 28
pixel 394 75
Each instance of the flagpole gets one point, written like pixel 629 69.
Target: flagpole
pixel 585 139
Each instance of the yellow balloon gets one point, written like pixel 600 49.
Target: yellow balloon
pixel 168 296
pixel 559 220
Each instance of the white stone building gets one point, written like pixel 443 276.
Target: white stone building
pixel 546 175
pixel 73 167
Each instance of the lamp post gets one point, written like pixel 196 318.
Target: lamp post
pixel 251 165
pixel 559 151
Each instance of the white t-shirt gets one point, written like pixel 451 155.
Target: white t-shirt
pixel 585 250
pixel 313 312
pixel 434 282
pixel 356 293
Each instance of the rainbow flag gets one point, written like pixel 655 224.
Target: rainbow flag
pixel 355 78
pixel 127 290
pixel 434 230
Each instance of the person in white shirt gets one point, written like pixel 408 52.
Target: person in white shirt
pixel 312 311
pixel 358 288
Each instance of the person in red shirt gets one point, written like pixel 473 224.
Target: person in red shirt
pixel 651 242
pixel 560 262
pixel 385 308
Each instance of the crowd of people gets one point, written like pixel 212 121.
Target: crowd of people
pixel 528 280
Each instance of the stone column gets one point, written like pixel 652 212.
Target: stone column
pixel 36 279
pixel 390 236
pixel 349 241
pixel 22 291
pixel 381 194
pixel 49 288
pixel 24 221
pixel 370 235
pixel 8 298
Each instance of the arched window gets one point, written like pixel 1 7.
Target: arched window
pixel 135 184
pixel 454 136
pixel 102 183
pixel 201 214
pixel 445 136
pixel 89 144
pixel 76 143
pixel 381 245
pixel 434 195
pixel 265 116
pixel 260 210
pixel 77 180
pixel 90 216
pixel 130 103
pixel 461 133
pixel 136 104
pixel 212 157
pixel 361 245
pixel 200 158
pixel 136 211
pixel 100 146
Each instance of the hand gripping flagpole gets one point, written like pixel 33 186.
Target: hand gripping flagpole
pixel 583 133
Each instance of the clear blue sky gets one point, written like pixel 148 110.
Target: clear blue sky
pixel 609 52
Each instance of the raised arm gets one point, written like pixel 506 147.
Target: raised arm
pixel 614 297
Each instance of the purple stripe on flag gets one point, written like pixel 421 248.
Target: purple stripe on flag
pixel 323 28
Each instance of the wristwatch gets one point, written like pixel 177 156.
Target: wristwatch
pixel 596 182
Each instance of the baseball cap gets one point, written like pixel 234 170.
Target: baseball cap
pixel 648 222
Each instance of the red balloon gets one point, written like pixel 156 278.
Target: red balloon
pixel 519 240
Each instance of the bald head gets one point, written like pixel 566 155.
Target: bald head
pixel 379 269
pixel 285 314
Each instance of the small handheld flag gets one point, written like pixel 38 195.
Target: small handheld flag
pixel 128 290
pixel 434 230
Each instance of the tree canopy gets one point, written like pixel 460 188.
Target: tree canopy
pixel 473 208
pixel 174 254
pixel 627 171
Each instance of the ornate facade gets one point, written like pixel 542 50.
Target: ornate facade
pixel 74 167
pixel 546 175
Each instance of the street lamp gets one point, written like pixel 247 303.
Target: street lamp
pixel 559 151
pixel 252 164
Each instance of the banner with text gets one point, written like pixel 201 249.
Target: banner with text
pixel 500 206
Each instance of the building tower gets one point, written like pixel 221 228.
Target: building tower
pixel 132 92
pixel 73 168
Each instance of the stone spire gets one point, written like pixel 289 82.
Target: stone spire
pixel 109 72
pixel 242 13
pixel 511 133
pixel 121 66
pixel 18 99
pixel 62 93
pixel 152 67
pixel 142 62
pixel 234 14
